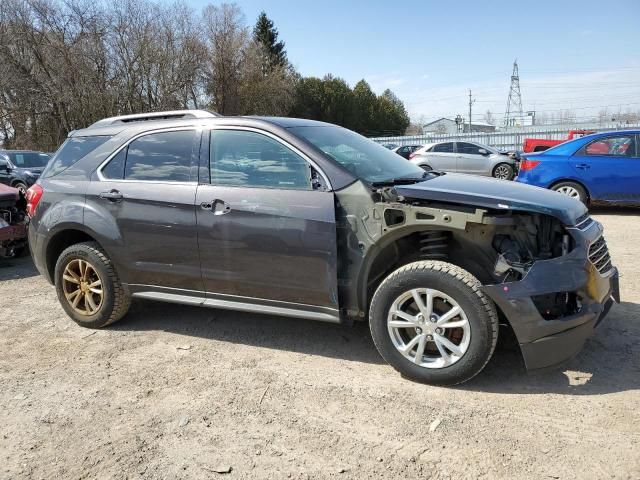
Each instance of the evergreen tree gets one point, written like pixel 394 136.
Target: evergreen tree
pixel 266 35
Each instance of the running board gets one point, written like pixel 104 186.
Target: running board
pixel 240 306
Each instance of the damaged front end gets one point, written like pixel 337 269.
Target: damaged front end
pixel 551 278
pixel 13 222
pixel 554 303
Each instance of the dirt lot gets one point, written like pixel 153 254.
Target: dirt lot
pixel 178 392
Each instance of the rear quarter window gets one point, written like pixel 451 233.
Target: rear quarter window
pixel 71 151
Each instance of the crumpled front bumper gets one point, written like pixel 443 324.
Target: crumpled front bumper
pixel 545 343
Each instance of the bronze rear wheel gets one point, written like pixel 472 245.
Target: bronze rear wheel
pixel 88 286
pixel 82 287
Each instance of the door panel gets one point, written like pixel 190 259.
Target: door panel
pixel 148 190
pixel 610 168
pixel 157 227
pixel 268 243
pixel 469 160
pixel 443 157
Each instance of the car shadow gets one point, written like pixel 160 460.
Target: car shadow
pixel 265 331
pixel 16 268
pixel 609 362
pixel 614 210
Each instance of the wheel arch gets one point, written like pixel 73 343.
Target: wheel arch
pixel 63 238
pixel 404 246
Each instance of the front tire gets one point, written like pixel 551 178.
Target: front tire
pixel 504 171
pixel 431 322
pixel 88 286
pixel 22 187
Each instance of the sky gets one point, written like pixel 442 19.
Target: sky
pixel 577 55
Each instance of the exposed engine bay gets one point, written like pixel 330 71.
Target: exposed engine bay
pixel 497 246
pixel 13 222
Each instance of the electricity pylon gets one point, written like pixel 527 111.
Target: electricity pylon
pixel 513 115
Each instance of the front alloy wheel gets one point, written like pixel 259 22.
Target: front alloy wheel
pixel 504 171
pixel 429 328
pixel 431 321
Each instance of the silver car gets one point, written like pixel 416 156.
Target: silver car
pixel 466 157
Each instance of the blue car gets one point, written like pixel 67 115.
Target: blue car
pixel 598 168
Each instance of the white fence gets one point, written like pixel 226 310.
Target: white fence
pixel 508 140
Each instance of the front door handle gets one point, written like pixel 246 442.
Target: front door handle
pixel 112 195
pixel 220 207
pixel 583 166
pixel 217 207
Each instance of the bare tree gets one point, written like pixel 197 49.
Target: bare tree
pixel 488 118
pixel 227 37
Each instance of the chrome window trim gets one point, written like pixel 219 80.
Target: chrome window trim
pixel 102 178
pixel 278 139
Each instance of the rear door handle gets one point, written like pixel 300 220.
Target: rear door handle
pixel 112 195
pixel 583 166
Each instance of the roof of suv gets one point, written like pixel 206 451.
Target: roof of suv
pixel 178 118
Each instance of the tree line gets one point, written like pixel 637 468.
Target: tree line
pixel 65 64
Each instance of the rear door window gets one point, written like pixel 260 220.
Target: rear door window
pixel 443 148
pixel 161 156
pixel 71 151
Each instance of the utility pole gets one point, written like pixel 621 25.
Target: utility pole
pixel 471 102
pixel 514 102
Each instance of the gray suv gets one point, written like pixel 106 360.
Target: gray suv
pixel 305 219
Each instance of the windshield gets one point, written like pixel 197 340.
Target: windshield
pixel 28 159
pixel 364 158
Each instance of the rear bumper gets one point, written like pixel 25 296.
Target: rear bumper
pixel 545 343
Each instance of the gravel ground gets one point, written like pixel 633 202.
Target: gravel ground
pixel 179 392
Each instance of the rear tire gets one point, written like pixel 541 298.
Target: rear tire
pixel 503 171
pixel 573 190
pixel 459 324
pixel 88 286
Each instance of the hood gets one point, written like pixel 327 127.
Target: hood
pixel 495 194
pixel 35 170
pixel 8 195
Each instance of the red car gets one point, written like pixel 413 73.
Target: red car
pixel 532 145
pixel 13 222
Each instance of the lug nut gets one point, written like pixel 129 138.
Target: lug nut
pixel 433 319
pixel 439 331
pixel 419 331
pixel 429 337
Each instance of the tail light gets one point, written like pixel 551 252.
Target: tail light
pixel 528 164
pixel 34 194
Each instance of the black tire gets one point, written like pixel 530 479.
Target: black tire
pixel 461 286
pixel 583 196
pixel 115 303
pixel 504 167
pixel 21 186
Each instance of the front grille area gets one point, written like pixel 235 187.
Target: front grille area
pixel 584 222
pixel 599 255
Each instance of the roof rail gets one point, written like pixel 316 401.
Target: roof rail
pixel 142 117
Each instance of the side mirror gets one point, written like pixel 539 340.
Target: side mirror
pixel 482 151
pixel 4 167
